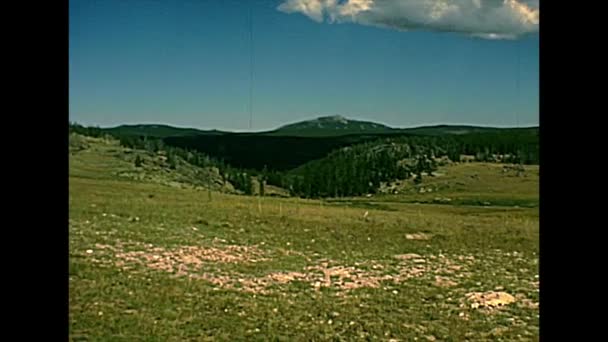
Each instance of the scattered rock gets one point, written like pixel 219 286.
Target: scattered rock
pixel 444 282
pixel 498 331
pixel 418 236
pixel 407 256
pixel 490 299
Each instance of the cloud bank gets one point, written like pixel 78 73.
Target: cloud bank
pixel 490 19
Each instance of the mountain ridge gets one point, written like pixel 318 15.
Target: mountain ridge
pixel 323 126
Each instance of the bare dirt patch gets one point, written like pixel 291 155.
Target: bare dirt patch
pixel 182 259
pixel 343 277
pixel 204 263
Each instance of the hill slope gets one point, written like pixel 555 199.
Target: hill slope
pixel 288 152
pixel 97 158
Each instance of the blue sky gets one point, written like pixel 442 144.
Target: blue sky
pixel 187 64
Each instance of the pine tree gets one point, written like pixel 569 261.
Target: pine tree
pixel 418 178
pixel 138 161
pixel 262 181
pixel 171 160
pixel 249 184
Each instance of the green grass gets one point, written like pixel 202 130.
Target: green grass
pixel 96 158
pixel 117 294
pixel 464 184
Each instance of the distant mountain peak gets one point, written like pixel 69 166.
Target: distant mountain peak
pixel 331 125
pixel 333 118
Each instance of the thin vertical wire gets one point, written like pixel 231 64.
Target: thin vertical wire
pixel 517 84
pixel 250 65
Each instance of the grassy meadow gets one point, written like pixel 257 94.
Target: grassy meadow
pixel 152 259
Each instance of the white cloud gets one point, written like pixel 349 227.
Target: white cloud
pixel 490 19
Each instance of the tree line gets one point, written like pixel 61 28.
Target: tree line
pixel 362 168
pixel 352 170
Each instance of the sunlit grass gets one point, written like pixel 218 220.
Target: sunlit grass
pixel 489 248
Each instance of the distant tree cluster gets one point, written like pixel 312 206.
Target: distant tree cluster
pixel 353 170
pixel 285 153
pixel 241 180
pixel 95 132
pixel 518 146
pixel 358 170
pixel 361 168
pixel 157 146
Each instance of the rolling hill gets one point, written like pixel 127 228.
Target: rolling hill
pixel 158 131
pixel 295 144
pixel 151 258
